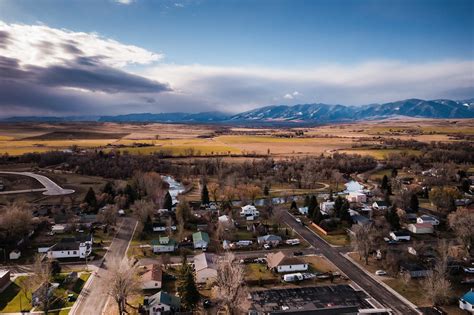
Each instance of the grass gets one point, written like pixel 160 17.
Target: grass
pixel 413 291
pixel 336 240
pixel 380 154
pixel 256 272
pixel 12 296
pixel 319 264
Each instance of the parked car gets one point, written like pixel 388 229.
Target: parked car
pixel 260 260
pixel 297 253
pixel 381 273
pixel 298 220
pixel 266 246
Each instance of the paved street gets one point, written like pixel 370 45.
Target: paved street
pixel 50 187
pixel 93 299
pixel 372 287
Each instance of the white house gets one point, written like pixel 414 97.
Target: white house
pixel 164 245
pixel 281 263
pixel 152 278
pixel 420 228
pixel 205 267
pixel 58 228
pixel 269 239
pixel 14 254
pixel 249 211
pixel 78 247
pixel 356 196
pixel 466 302
pixel 427 219
pixel 303 210
pixel 400 235
pixel 327 207
pixel 380 205
pixel 161 303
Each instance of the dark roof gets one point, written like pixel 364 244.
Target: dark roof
pixel 65 246
pixel 401 233
pixel 382 203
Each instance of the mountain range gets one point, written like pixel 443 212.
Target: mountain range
pixel 301 113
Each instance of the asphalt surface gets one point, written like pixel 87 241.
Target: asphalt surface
pixel 52 189
pixel 371 286
pixel 94 298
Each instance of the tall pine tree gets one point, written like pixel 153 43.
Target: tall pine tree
pixel 168 202
pixel 204 195
pixel 414 203
pixel 187 288
pixel 90 199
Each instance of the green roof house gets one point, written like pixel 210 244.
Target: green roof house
pixel 201 240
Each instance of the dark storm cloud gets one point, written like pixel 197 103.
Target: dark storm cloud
pixel 4 39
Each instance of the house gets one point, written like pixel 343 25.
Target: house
pixel 356 196
pixel 273 240
pixel 466 302
pixel 201 240
pixel 152 278
pixel 303 210
pixel 225 219
pixel 37 295
pixel 164 245
pixel 159 227
pixel 420 228
pixel 327 207
pixel 4 278
pixel 414 270
pixel 249 211
pixel 161 303
pixel 279 262
pixel 14 254
pixel 427 219
pixel 401 235
pixel 205 267
pixel 73 247
pixel 58 228
pixel 380 205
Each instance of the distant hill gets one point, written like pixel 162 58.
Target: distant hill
pixel 302 113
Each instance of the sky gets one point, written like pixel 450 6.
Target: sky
pixel 96 57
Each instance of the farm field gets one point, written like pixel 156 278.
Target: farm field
pixel 186 140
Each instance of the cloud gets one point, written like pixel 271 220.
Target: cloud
pixel 179 5
pixel 59 71
pixel 125 2
pixel 290 96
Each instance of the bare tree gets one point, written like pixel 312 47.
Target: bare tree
pixel 363 240
pixel 15 222
pixel 436 285
pixel 230 285
pixel 462 223
pixel 214 190
pixel 41 280
pixel 109 215
pixel 124 282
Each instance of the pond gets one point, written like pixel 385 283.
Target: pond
pixel 175 189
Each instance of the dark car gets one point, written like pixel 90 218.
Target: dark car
pixel 298 254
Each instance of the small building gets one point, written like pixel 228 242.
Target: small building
pixel 201 240
pixel 303 210
pixel 380 205
pixel 401 235
pixel 152 278
pixel 466 302
pixel 15 254
pixel 327 207
pixel 279 262
pixel 427 219
pixel 249 211
pixel 205 267
pixel 414 270
pixel 420 228
pixel 357 197
pixel 273 240
pixel 164 245
pixel 4 278
pixel 161 303
pixel 226 220
pixel 159 227
pixel 58 228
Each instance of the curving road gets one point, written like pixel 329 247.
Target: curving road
pixel 50 187
pixel 367 283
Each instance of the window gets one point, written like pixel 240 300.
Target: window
pixel 75 252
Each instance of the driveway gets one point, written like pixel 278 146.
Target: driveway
pixel 50 187
pixel 94 297
pixel 371 286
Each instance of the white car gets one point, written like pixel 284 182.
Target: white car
pixel 380 273
pixel 266 246
pixel 298 220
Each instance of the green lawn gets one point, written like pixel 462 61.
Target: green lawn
pixel 258 271
pixel 11 298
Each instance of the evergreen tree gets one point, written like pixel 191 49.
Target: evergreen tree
pixel 331 198
pixel 131 194
pixel 317 215
pixel 90 199
pixel 266 190
pixel 168 202
pixel 414 203
pixel 313 203
pixel 338 206
pixel 109 189
pixel 387 198
pixel 394 173
pixel 306 201
pixel 293 205
pixel 384 185
pixel 344 212
pixel 187 288
pixel 392 218
pixel 204 195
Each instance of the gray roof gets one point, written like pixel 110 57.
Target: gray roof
pixel 203 261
